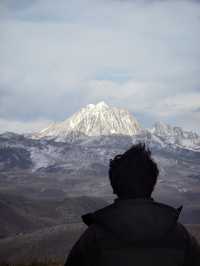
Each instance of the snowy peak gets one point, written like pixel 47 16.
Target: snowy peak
pixel 94 120
pixel 101 105
pixel 101 119
pixel 162 129
pixel 176 136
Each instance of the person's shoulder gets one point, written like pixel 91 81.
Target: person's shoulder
pixel 189 238
pixel 192 254
pixel 182 229
pixel 92 230
pixel 95 229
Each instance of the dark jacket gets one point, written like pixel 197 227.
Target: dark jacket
pixel 134 232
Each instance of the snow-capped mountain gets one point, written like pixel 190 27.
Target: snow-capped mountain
pixel 176 136
pixel 93 120
pixel 103 120
pixel 95 133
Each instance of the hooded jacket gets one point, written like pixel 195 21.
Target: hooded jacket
pixel 134 232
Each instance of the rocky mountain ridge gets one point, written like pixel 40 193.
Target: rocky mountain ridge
pixel 93 120
pixel 176 136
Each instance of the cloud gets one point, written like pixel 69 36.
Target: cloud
pixel 21 127
pixel 145 96
pixel 142 55
pixel 179 104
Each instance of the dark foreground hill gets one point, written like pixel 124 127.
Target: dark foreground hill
pixel 49 245
pixel 21 215
pixel 52 243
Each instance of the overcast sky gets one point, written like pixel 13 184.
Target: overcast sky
pixel 58 56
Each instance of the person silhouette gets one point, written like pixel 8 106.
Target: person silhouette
pixel 134 229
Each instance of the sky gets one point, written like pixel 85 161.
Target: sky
pixel 58 56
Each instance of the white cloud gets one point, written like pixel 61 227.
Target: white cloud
pixel 179 104
pixel 22 127
pixel 148 97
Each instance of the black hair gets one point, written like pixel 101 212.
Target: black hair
pixel 134 173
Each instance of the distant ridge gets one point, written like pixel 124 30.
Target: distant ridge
pixel 176 136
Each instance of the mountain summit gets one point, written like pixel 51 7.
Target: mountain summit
pixel 93 120
pixel 176 136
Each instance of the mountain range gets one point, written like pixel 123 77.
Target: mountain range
pixel 104 120
pixel 96 131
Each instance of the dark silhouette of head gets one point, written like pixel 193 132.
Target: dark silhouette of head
pixel 134 173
